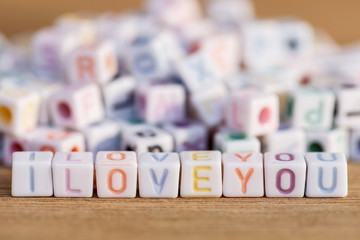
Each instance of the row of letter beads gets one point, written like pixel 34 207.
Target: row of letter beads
pixel 203 174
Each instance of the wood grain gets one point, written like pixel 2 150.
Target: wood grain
pixel 199 218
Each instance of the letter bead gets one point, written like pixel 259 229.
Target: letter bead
pixel 285 175
pixel 326 175
pixel 31 174
pixel 73 174
pixel 243 175
pixel 116 174
pixel 159 175
pixel 201 174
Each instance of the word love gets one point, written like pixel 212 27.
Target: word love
pixel 203 174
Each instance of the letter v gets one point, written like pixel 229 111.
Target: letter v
pixel 243 158
pixel 158 186
pixel 161 158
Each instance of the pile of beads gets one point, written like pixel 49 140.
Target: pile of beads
pixel 170 79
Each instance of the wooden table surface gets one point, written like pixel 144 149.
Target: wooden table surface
pixel 198 218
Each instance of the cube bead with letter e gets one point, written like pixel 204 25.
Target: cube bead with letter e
pixel 92 63
pixel 285 174
pixel 73 174
pixel 159 175
pixel 201 174
pixel 19 110
pixel 116 174
pixel 243 175
pixel 326 175
pixel 77 106
pixel 253 113
pixel 31 174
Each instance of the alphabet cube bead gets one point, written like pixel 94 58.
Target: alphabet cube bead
pixel 285 174
pixel 19 110
pixel 174 13
pixel 208 103
pixel 13 144
pixel 92 63
pixel 31 174
pixel 73 174
pixel 252 112
pixel 230 14
pixel 56 140
pixel 243 175
pixel 224 53
pixel 312 109
pixel 298 39
pixel 119 98
pixel 50 47
pixel 197 72
pixel 159 175
pixel 201 174
pixel 355 145
pixel 161 103
pixel 326 175
pixel 147 60
pixel 188 135
pixel 286 140
pixel 348 111
pixel 262 45
pixel 104 136
pixel 146 138
pixel 77 106
pixel 236 142
pixel 334 140
pixel 116 174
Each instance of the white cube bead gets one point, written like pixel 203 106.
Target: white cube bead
pixel 56 140
pixel 208 104
pixel 285 174
pixel 188 135
pixel 104 136
pixel 92 63
pixel 312 109
pixel 119 98
pixel 334 140
pixel 201 174
pixel 19 110
pixel 116 174
pixel 161 103
pixel 243 175
pixel 326 175
pixel 31 174
pixel 287 140
pixel 253 112
pixel 13 144
pixel 159 175
pixel 225 141
pixel 77 106
pixel 348 111
pixel 146 138
pixel 73 174
pixel 355 145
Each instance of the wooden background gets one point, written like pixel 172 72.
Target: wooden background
pixel 340 18
pixel 196 218
pixel 280 218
